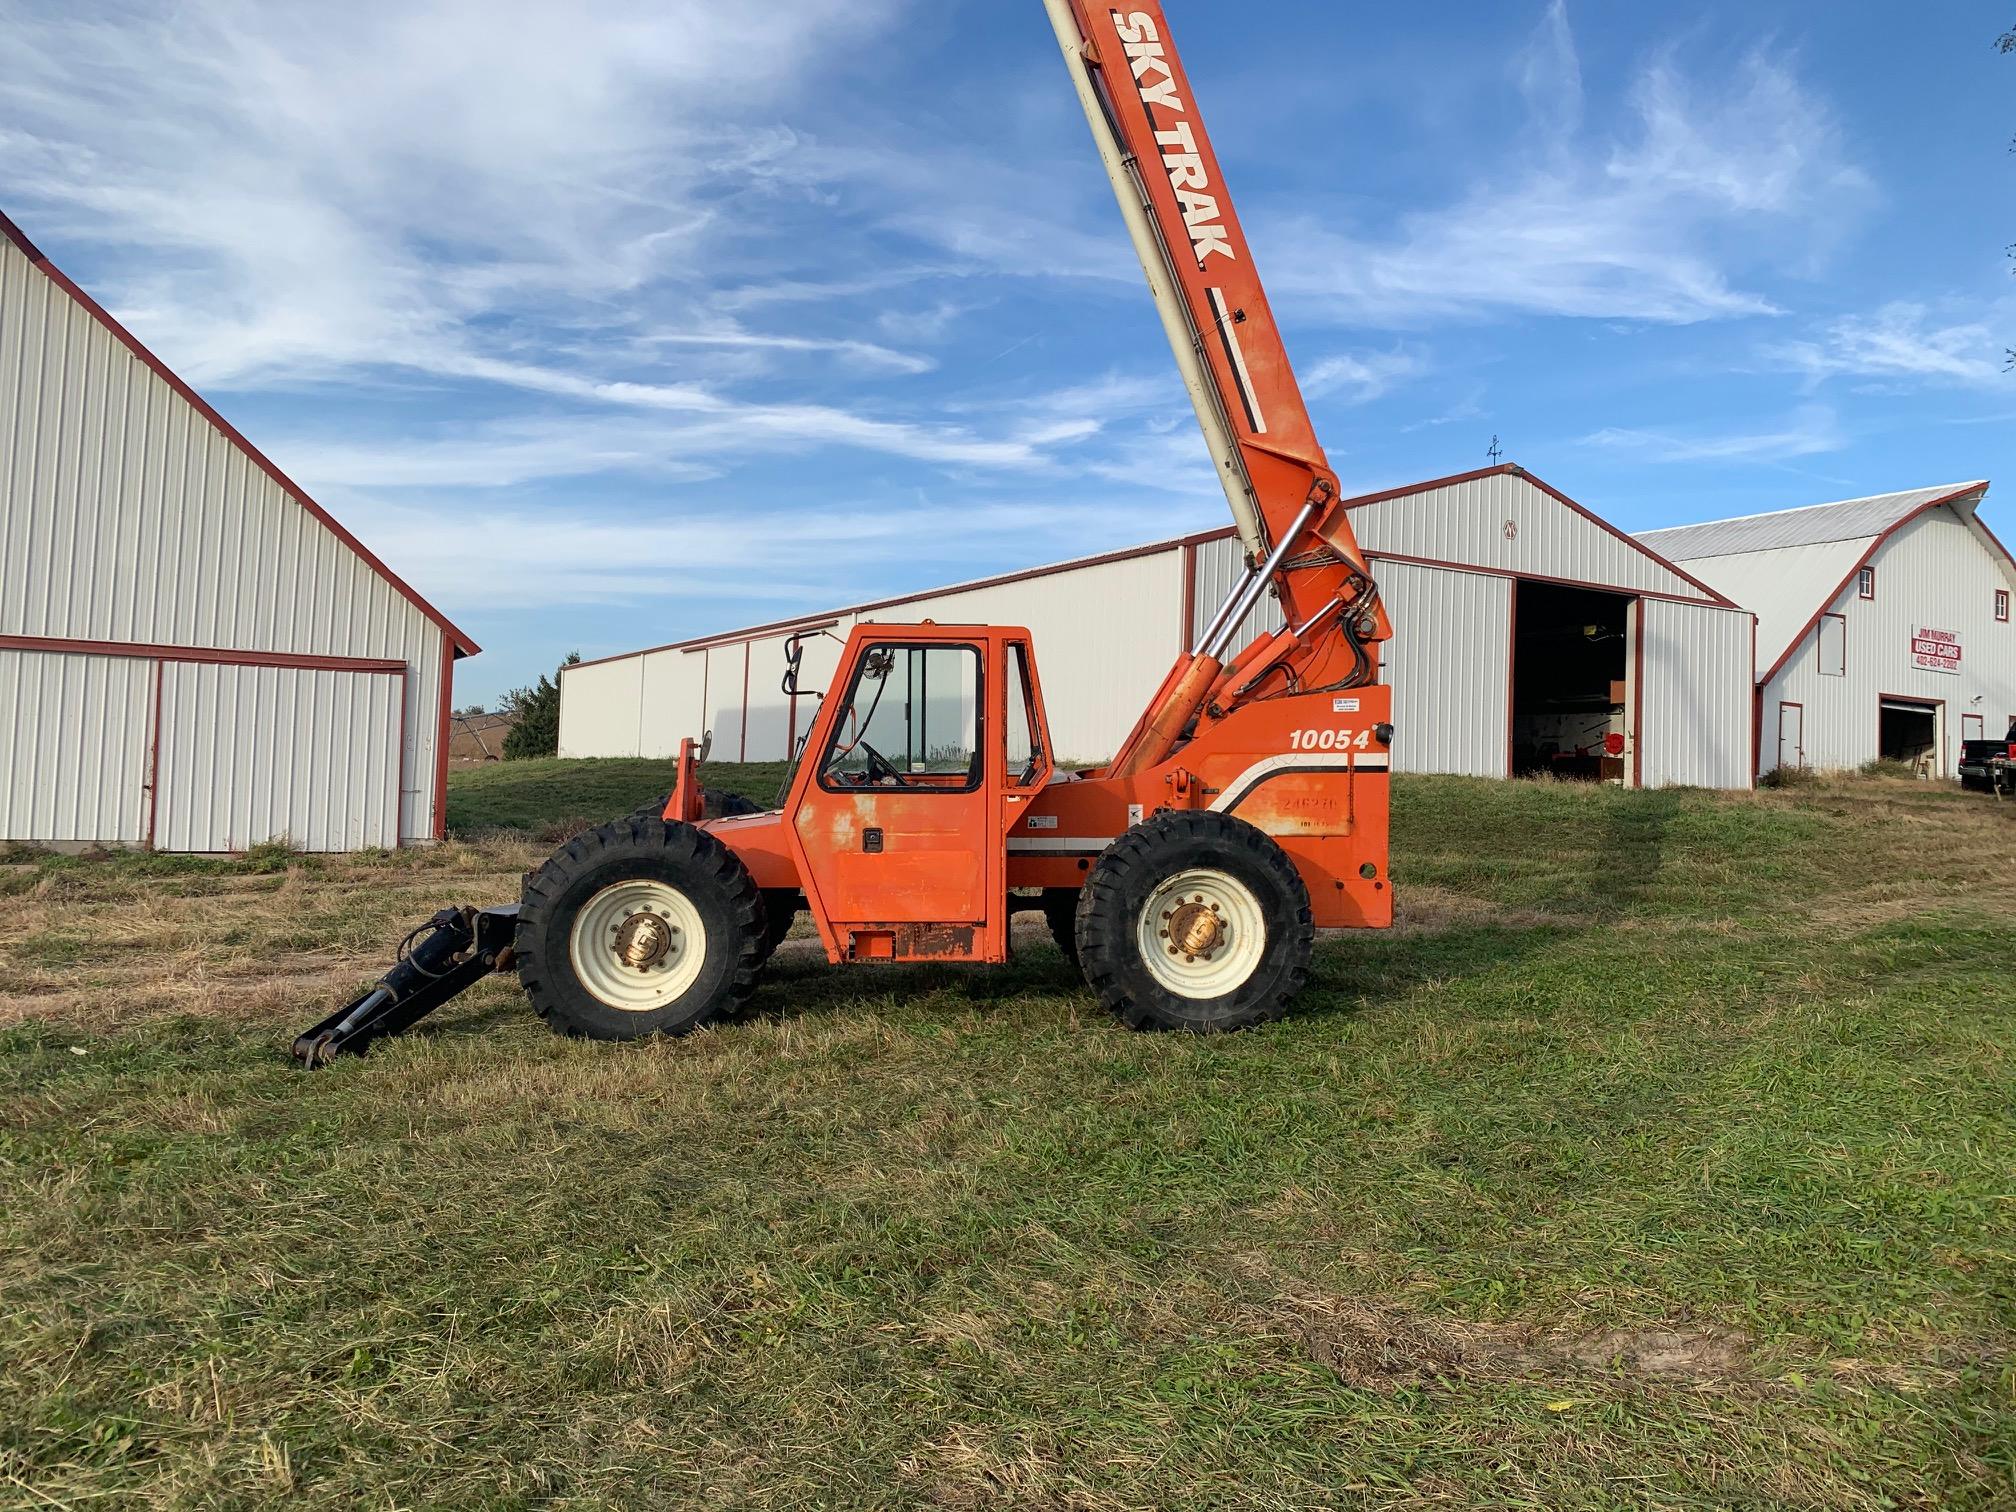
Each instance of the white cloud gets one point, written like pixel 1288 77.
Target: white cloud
pixel 536 559
pixel 1713 178
pixel 1360 377
pixel 865 353
pixel 288 193
pixel 1902 340
pixel 1808 432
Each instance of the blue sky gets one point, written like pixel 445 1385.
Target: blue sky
pixel 609 332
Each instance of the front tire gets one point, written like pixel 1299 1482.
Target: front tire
pixel 1197 921
pixel 639 928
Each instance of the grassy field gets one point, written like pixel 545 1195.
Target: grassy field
pixel 1664 1156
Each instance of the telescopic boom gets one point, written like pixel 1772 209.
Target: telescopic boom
pixel 1284 496
pixel 1158 155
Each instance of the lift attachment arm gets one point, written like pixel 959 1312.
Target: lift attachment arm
pixel 1284 497
pixel 444 957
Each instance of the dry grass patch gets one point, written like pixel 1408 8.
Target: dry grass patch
pixel 1493 1218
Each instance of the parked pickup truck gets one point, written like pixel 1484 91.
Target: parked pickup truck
pixel 1990 765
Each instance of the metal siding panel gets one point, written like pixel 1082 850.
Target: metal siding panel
pixel 1934 571
pixel 1780 587
pixel 253 754
pixel 669 691
pixel 1696 696
pixel 770 721
pixel 73 747
pixel 128 516
pixel 1464 523
pixel 599 708
pixel 723 721
pixel 769 711
pixel 1447 665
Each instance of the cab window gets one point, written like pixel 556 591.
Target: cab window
pixel 1025 740
pixel 911 719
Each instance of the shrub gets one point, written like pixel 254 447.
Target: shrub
pixel 537 732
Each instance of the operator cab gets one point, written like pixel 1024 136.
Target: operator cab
pixel 912 775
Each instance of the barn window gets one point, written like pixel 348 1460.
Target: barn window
pixel 1865 583
pixel 2002 605
pixel 1833 645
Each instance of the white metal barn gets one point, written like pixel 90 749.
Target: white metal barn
pixel 1528 633
pixel 193 655
pixel 1883 624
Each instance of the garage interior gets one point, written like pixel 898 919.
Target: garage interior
pixel 1569 671
pixel 1908 731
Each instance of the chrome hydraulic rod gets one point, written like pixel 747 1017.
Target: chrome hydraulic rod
pixel 1250 594
pixel 1232 598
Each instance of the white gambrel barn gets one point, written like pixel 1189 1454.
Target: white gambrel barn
pixel 193 655
pixel 1884 624
pixel 1530 636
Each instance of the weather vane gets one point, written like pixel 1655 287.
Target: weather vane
pixel 1494 451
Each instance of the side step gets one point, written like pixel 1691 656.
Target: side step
pixel 441 959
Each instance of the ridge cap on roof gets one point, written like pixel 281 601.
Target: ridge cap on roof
pixel 1772 514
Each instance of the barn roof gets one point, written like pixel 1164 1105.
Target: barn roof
pixel 1787 566
pixel 1812 525
pixel 462 644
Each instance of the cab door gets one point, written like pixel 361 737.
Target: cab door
pixel 895 821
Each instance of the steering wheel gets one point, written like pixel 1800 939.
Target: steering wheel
pixel 880 768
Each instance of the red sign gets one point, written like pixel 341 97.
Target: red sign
pixel 1935 650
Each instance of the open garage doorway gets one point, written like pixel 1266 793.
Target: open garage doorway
pixel 1570 682
pixel 1908 730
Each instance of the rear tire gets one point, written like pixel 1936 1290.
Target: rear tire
pixel 780 909
pixel 1060 912
pixel 1197 921
pixel 714 804
pixel 639 928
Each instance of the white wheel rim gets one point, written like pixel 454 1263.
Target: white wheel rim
pixel 637 945
pixel 1202 933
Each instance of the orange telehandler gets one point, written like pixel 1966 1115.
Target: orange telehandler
pixel 1247 807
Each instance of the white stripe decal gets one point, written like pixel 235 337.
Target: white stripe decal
pixel 1260 771
pixel 1063 843
pixel 1231 335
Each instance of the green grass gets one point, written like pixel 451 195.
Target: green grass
pixel 1661 1157
pixel 535 795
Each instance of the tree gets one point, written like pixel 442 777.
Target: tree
pixel 537 732
pixel 472 712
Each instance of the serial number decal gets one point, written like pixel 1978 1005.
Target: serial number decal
pixel 1329 740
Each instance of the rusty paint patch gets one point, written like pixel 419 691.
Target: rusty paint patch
pixel 1288 808
pixel 950 940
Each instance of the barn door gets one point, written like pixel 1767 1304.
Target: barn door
pixel 1791 735
pixel 305 755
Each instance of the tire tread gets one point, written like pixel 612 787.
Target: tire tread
pixel 1131 865
pixel 684 844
